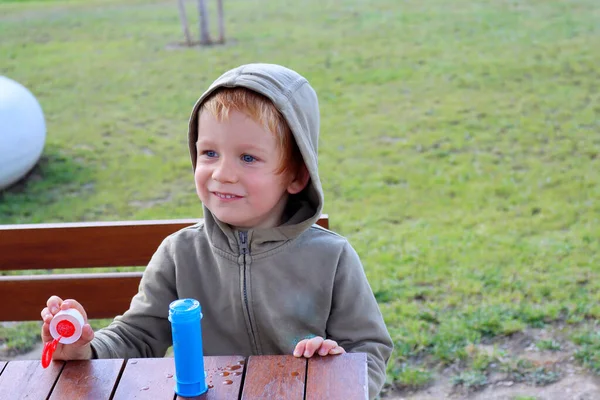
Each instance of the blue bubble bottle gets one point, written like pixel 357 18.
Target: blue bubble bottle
pixel 185 316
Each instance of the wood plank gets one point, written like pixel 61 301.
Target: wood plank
pixel 323 221
pixel 223 376
pixel 147 378
pixel 274 377
pixel 2 365
pixel 153 378
pixel 90 379
pixel 341 377
pixel 87 244
pixel 28 379
pixel 103 295
pixel 80 245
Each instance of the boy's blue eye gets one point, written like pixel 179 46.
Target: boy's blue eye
pixel 210 153
pixel 248 158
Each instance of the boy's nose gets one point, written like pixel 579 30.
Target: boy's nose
pixel 224 173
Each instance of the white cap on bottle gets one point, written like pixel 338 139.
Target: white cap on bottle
pixel 75 318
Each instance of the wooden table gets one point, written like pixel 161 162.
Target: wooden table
pixel 229 377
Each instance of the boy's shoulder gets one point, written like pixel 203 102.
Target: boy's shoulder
pixel 317 235
pixel 316 229
pixel 188 233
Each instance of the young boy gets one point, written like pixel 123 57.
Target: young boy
pixel 269 280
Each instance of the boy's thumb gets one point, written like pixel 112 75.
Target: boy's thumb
pixel 87 334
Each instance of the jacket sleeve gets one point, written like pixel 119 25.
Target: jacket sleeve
pixel 143 330
pixel 355 321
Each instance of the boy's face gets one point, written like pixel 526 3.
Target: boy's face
pixel 235 172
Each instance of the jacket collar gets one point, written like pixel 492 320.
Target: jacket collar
pixel 299 217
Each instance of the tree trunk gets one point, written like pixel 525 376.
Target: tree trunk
pixel 221 22
pixel 204 32
pixel 184 22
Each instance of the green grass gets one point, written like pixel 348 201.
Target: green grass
pixel 522 370
pixel 588 352
pixel 459 149
pixel 471 380
pixel 410 377
pixel 18 338
pixel 549 344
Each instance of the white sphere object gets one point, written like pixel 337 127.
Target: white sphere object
pixel 22 131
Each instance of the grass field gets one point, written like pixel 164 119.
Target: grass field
pixel 459 152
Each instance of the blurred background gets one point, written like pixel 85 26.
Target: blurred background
pixel 459 154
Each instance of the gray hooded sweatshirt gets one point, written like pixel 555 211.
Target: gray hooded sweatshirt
pixel 262 290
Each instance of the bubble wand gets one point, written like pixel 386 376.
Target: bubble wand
pixel 66 327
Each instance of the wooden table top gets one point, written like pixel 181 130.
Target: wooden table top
pixel 228 377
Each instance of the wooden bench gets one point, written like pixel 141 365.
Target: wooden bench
pixel 78 245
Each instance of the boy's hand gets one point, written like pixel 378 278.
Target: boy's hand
pixel 81 349
pixel 317 345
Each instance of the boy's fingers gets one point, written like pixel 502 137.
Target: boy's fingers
pixel 46 315
pixel 312 345
pixel 46 337
pixel 337 350
pixel 53 304
pixel 70 303
pixel 327 346
pixel 299 350
pixel 87 335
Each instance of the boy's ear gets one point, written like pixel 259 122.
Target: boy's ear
pixel 300 181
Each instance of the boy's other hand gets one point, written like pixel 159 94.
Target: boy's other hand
pixel 317 345
pixel 81 349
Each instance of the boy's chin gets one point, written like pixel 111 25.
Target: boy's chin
pixel 237 223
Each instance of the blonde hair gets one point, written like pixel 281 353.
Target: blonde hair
pixel 262 111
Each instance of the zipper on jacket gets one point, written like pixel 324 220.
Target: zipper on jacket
pixel 245 251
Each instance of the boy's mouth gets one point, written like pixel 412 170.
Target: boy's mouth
pixel 226 196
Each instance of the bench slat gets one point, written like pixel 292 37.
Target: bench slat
pixel 223 378
pixel 87 244
pixel 103 295
pixel 154 378
pixel 28 379
pixel 147 378
pixel 90 379
pixel 341 377
pixel 48 246
pixel 274 377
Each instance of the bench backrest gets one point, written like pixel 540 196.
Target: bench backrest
pixel 78 245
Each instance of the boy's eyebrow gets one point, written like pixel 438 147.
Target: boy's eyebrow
pixel 251 146
pixel 245 146
pixel 203 141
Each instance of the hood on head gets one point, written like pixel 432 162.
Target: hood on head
pixel 297 101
